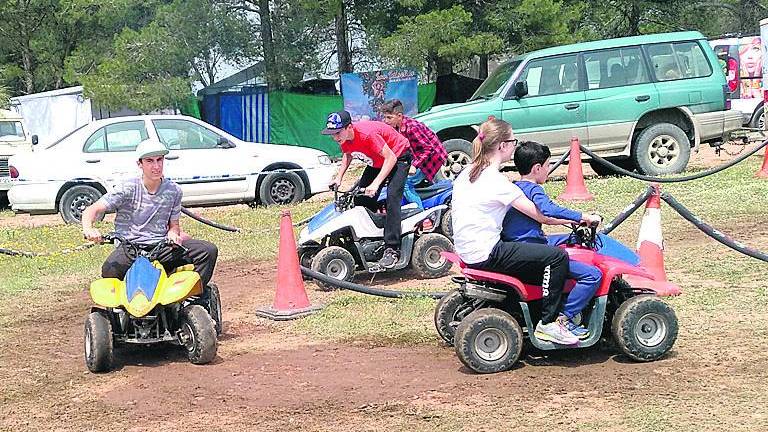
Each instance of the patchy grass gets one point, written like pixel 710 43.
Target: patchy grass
pixel 379 321
pixel 258 241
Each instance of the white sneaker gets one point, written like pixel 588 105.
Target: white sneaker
pixel 555 332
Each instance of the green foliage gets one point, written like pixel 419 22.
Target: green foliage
pixel 444 34
pixel 153 68
pixel 529 25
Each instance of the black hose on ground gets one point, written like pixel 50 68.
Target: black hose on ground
pixel 708 230
pixel 227 227
pixel 627 212
pixel 559 161
pixel 11 252
pixel 699 175
pixel 209 222
pixel 365 289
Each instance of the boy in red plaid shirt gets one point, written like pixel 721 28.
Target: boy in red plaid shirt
pixel 428 152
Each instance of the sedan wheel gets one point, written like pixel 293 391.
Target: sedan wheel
pixel 281 188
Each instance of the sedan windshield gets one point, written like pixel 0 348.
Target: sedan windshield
pixel 496 80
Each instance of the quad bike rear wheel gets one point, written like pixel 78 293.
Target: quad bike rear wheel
pixel 489 340
pixel 645 328
pixel 450 311
pixel 427 258
pixel 99 350
pixel 198 334
pixel 446 224
pixel 214 307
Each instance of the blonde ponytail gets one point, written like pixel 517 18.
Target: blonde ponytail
pixel 489 136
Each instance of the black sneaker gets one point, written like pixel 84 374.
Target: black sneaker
pixel 390 258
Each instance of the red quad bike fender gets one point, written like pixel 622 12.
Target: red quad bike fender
pixel 611 268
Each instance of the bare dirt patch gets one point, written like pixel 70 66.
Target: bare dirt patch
pixel 272 379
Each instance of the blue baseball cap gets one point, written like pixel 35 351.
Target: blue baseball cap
pixel 336 122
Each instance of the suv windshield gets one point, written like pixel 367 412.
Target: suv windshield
pixel 11 130
pixel 496 80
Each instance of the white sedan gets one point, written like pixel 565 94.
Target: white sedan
pixel 210 165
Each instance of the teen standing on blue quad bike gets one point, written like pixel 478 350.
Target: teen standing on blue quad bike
pixel 148 210
pixel 388 156
pixel 429 155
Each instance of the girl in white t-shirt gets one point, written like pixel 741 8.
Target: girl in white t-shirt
pixel 481 197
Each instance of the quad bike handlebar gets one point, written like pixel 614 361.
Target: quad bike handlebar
pixel 135 250
pixel 585 234
pixel 345 200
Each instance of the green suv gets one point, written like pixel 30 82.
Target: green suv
pixel 643 102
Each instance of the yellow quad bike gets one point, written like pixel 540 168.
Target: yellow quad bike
pixel 149 307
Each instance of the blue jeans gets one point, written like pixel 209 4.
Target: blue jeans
pixel 587 280
pixel 410 188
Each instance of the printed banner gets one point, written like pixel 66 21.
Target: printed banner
pixel 364 92
pixel 742 63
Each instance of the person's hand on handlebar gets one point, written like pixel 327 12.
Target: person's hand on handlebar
pixel 334 184
pixel 591 219
pixel 93 234
pixel 371 189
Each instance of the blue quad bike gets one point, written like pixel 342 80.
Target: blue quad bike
pixel 343 238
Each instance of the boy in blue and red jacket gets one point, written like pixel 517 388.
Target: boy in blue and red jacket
pixel 532 162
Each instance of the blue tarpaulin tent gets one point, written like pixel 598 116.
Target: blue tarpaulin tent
pixel 244 114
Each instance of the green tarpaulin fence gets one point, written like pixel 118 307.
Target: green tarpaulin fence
pixel 297 119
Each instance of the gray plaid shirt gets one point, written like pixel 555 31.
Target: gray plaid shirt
pixel 142 217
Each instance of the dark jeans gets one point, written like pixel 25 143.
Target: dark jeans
pixel 534 264
pixel 202 255
pixel 395 182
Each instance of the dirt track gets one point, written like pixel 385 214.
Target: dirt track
pixel 273 380
pixel 270 379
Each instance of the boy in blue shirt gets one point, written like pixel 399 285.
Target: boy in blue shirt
pixel 532 162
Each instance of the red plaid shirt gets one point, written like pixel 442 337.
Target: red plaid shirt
pixel 428 152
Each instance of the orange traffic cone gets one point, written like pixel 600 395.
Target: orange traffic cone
pixel 575 189
pixel 650 248
pixel 291 299
pixel 650 242
pixel 763 173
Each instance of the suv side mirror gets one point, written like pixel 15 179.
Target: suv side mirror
pixel 521 89
pixel 35 140
pixel 225 143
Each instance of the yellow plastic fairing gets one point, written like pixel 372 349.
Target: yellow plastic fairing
pixel 179 286
pixel 106 292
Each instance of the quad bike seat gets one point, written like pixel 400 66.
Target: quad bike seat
pixel 433 189
pixel 379 218
pixel 526 292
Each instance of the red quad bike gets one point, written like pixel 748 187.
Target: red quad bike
pixel 489 314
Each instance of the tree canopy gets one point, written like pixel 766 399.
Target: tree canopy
pixel 146 54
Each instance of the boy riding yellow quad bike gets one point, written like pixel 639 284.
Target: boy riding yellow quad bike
pixel 150 306
pixel 138 304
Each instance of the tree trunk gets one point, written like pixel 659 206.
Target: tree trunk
pixel 29 73
pixel 342 45
pixel 266 39
pixel 633 28
pixel 444 67
pixel 483 72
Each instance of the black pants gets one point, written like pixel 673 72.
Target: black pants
pixel 395 182
pixel 202 255
pixel 534 264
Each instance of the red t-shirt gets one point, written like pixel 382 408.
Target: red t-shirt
pixel 370 137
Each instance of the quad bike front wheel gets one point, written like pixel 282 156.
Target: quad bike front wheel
pixel 198 334
pixel 449 312
pixel 427 258
pixel 336 262
pixel 489 340
pixel 99 350
pixel 645 328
